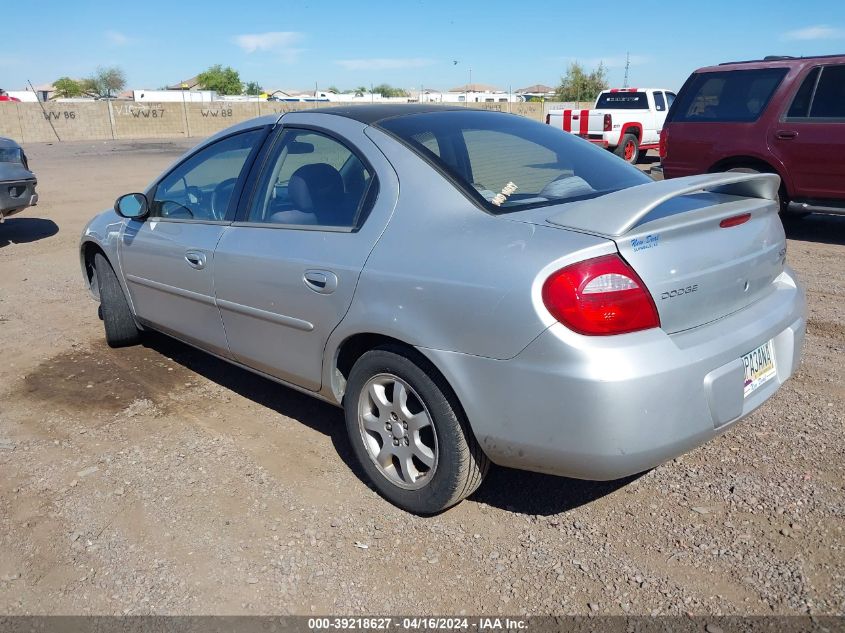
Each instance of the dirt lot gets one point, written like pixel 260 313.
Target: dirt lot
pixel 156 479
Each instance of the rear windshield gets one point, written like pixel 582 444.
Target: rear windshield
pixel 731 95
pixel 509 163
pixel 11 155
pixel 622 101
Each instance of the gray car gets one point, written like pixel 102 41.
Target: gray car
pixel 470 287
pixel 17 183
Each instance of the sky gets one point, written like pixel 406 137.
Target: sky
pixel 406 43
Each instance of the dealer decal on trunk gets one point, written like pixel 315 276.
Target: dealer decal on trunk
pixel 650 241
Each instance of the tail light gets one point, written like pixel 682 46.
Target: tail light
pixel 599 297
pixel 664 143
pixel 548 118
pixel 608 123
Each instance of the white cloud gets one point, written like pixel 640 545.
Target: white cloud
pixel 384 63
pixel 279 43
pixel 116 38
pixel 817 32
pixel 273 41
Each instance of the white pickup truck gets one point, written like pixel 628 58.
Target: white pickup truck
pixel 626 121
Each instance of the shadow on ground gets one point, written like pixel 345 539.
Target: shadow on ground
pixel 505 488
pixel 816 227
pixel 22 230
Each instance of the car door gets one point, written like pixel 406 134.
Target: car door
pixel 167 258
pixel 810 138
pixel 286 271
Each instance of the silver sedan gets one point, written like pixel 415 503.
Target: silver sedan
pixel 470 287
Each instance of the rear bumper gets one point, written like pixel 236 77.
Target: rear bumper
pixel 607 407
pixel 16 195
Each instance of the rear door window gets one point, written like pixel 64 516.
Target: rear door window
pixel 732 95
pixel 800 107
pixel 311 179
pixel 623 101
pixel 829 98
pixel 659 102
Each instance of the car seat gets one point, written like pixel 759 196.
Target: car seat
pixel 317 194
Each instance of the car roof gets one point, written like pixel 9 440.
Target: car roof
pixel 774 61
pixel 370 114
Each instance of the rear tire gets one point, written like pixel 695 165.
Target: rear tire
pixel 389 388
pixel 628 149
pixel 118 321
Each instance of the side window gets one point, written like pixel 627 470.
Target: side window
pixel 731 95
pixel 202 186
pixel 659 102
pixel 311 179
pixel 670 99
pixel 829 100
pixel 801 103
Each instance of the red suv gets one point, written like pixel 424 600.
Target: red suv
pixel 784 115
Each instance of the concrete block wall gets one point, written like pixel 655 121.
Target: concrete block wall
pixel 70 121
pixel 204 119
pixel 104 120
pixel 147 120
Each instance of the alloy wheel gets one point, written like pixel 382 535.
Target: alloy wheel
pixel 397 431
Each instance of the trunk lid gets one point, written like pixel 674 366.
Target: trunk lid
pixel 697 267
pixel 696 270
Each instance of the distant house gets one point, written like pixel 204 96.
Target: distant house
pixel 475 88
pixel 537 92
pixel 186 84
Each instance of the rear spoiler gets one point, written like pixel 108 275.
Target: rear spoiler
pixel 617 213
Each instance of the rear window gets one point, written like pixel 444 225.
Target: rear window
pixel 11 155
pixel 508 163
pixel 622 101
pixel 732 95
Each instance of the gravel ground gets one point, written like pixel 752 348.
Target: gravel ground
pixel 157 479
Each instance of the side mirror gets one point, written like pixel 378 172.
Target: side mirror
pixel 133 206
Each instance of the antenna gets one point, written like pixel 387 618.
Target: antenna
pixel 627 66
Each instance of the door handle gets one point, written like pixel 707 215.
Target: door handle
pixel 322 281
pixel 195 259
pixel 786 135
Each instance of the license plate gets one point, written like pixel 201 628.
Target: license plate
pixel 759 367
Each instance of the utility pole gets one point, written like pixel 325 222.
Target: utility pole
pixel 627 65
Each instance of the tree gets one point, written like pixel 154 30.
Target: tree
pixel 386 90
pixel 253 88
pixel 104 82
pixel 67 87
pixel 225 81
pixel 577 85
pixel 361 90
pixel 333 89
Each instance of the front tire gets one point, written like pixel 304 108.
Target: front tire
pixel 118 321
pixel 408 432
pixel 628 149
